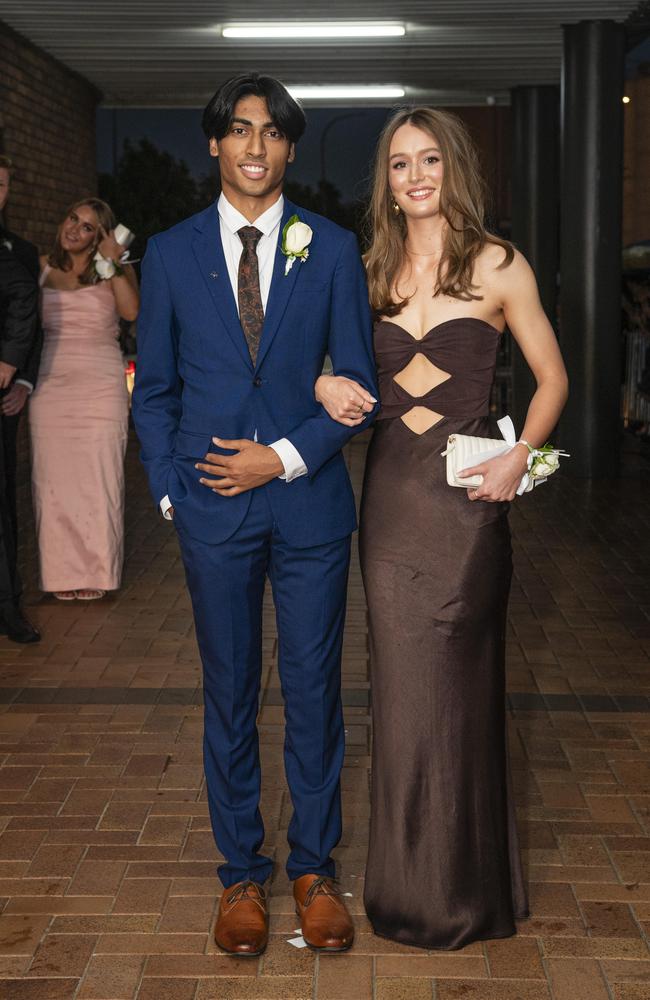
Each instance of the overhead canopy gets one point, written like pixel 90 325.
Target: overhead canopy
pixel 167 53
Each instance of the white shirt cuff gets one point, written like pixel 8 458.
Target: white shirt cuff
pixel 294 467
pixel 165 507
pixel 23 381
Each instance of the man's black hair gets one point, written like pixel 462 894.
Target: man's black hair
pixel 284 112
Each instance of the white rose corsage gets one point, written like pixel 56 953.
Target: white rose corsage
pixel 296 237
pixel 106 268
pixel 544 461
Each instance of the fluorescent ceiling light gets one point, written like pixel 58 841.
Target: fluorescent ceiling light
pixel 313 29
pixel 308 93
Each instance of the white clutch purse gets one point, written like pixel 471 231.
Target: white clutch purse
pixel 464 451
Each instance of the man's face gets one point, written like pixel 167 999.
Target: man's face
pixel 253 157
pixel 5 184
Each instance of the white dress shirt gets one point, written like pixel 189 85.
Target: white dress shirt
pixel 268 223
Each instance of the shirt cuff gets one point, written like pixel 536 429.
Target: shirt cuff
pixel 165 508
pixel 294 467
pixel 23 381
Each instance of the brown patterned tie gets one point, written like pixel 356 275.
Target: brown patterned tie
pixel 251 310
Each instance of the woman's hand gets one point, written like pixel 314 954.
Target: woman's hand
pixel 501 476
pixel 344 399
pixel 109 247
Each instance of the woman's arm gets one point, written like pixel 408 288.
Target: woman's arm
pixel 516 288
pixel 126 292
pixel 125 286
pixel 345 400
pixel 531 329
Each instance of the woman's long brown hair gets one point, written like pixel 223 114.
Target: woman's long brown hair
pixel 58 257
pixel 462 205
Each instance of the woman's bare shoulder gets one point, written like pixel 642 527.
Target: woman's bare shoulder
pixel 496 256
pixel 499 264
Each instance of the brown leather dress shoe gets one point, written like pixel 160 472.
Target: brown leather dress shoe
pixel 326 923
pixel 242 926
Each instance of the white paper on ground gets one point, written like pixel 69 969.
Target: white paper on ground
pixel 298 942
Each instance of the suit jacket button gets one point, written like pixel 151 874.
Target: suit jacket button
pixel 257 381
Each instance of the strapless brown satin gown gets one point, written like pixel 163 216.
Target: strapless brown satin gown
pixel 443 864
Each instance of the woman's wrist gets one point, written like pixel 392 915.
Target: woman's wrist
pixel 521 451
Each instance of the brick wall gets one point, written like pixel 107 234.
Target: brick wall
pixel 636 169
pixel 47 127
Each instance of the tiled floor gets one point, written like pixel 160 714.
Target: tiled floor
pixel 106 859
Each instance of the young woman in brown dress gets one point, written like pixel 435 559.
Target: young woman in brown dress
pixel 443 865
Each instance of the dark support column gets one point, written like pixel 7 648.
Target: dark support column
pixel 535 210
pixel 590 247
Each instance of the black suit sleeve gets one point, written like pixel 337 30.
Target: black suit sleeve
pixel 27 254
pixel 29 370
pixel 19 299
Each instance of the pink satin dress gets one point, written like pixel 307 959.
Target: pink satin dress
pixel 78 416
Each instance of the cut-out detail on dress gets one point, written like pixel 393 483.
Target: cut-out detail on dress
pixel 464 350
pixel 420 376
pixel 421 419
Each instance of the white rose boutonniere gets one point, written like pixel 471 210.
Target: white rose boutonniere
pixel 296 237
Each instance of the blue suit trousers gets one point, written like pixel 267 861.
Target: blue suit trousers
pixel 226 583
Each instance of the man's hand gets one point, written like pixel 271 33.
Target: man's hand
pixel 7 372
pixel 254 465
pixel 14 400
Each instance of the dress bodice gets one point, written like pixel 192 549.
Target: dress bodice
pixel 80 326
pixel 465 349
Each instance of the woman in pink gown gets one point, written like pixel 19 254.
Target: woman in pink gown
pixel 79 411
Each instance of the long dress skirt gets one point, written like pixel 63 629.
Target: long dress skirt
pixel 443 865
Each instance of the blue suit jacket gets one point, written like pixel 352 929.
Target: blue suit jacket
pixel 195 377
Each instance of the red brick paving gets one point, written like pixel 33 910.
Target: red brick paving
pixel 107 888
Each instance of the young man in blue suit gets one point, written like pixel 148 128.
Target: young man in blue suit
pixel 240 305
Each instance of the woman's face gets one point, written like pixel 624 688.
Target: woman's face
pixel 79 231
pixel 415 171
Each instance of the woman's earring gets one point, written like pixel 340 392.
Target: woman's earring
pixel 396 208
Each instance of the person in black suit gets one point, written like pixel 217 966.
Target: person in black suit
pixel 20 346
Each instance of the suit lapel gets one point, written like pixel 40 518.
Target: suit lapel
pixel 281 288
pixel 208 250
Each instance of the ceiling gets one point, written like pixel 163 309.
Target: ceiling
pixel 145 53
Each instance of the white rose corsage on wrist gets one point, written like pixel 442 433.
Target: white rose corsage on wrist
pixel 106 268
pixel 543 462
pixel 296 237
